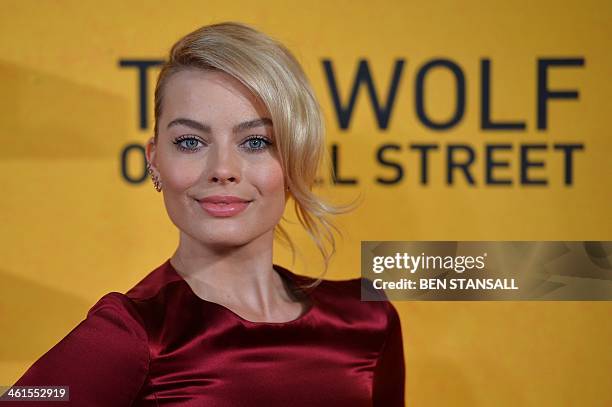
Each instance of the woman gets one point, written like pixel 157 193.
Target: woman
pixel 238 132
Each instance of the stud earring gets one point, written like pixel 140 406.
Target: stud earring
pixel 156 181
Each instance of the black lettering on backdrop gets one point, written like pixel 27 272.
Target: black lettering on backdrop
pixel 383 113
pixel 568 150
pixel 486 123
pixel 336 179
pixel 492 164
pixel 133 150
pixel 143 86
pixel 424 149
pixel 460 94
pixel 526 164
pixel 142 65
pixel 544 93
pixel 453 163
pixel 380 159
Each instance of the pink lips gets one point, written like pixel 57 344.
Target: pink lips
pixel 224 205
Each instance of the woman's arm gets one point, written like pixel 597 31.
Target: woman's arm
pixel 104 360
pixel 388 389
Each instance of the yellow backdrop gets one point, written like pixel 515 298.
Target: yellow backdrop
pixel 75 228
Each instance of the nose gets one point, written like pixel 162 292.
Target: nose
pixel 222 164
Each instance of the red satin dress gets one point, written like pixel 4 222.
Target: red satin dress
pixel 162 345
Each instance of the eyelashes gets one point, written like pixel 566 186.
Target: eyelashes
pixel 253 144
pixel 186 143
pixel 261 143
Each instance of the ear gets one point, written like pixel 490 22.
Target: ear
pixel 150 150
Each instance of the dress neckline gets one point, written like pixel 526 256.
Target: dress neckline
pixel 285 274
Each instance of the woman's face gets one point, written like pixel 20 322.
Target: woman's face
pixel 216 139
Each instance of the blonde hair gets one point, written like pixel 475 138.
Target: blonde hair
pixel 271 72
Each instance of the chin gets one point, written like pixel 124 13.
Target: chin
pixel 222 245
pixel 225 237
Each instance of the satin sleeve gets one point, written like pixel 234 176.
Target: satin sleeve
pixel 104 360
pixel 389 373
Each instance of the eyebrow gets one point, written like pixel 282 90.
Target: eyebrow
pixel 194 124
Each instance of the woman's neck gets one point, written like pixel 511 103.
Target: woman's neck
pixel 240 278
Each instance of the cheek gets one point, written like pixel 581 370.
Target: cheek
pixel 269 179
pixel 178 178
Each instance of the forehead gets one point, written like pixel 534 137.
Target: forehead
pixel 197 91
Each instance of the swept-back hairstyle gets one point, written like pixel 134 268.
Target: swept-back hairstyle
pixel 271 72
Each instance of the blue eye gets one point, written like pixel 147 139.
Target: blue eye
pixel 187 143
pixel 257 143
